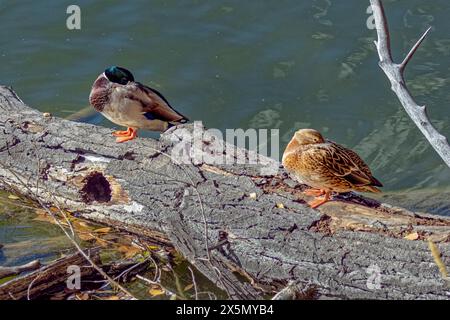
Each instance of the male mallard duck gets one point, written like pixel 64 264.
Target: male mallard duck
pixel 326 166
pixel 131 104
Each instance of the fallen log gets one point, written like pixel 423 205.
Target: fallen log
pixel 248 231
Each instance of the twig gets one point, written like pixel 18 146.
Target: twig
pixel 437 259
pixel 157 276
pixel 16 204
pixel 194 283
pixel 166 291
pixel 210 294
pixel 180 289
pixel 413 50
pixel 287 293
pixel 66 218
pixel 123 273
pixel 395 74
pixel 31 285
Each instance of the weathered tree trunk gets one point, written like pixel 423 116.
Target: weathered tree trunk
pixel 257 227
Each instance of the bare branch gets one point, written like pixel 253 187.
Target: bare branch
pixel 413 50
pixel 384 42
pixel 394 72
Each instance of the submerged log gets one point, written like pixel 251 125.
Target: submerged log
pixel 51 280
pixel 12 271
pixel 48 279
pixel 245 228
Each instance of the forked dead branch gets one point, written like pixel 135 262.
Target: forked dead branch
pixel 395 74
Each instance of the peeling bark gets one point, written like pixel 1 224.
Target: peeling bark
pixel 227 220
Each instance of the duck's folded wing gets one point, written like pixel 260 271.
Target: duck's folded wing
pixel 155 106
pixel 360 164
pixel 338 163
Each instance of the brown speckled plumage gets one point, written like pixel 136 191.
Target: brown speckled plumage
pixel 100 92
pixel 325 165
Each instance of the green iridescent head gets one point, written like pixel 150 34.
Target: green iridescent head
pixel 119 75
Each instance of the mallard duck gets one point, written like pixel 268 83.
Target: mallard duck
pixel 131 104
pixel 326 167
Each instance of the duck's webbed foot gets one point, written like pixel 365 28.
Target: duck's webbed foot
pixel 123 136
pixel 121 133
pixel 314 192
pixel 319 201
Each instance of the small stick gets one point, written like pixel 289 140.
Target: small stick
pixel 194 283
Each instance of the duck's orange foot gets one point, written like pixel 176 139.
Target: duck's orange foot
pixel 122 133
pixel 129 135
pixel 320 201
pixel 314 192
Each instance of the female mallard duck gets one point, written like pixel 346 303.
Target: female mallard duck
pixel 326 167
pixel 131 104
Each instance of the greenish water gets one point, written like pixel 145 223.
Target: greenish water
pixel 247 64
pixel 23 238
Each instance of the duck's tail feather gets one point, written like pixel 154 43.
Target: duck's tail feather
pixel 375 182
pixel 370 189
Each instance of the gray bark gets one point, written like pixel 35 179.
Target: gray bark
pixel 334 251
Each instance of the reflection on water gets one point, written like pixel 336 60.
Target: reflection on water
pixel 24 238
pixel 270 64
pixel 429 201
